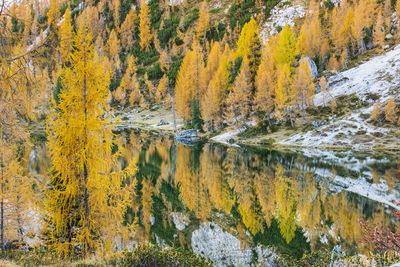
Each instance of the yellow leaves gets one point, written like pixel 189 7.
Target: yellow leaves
pixel 86 194
pixel 113 45
pixel 162 89
pixel 128 29
pixel 391 110
pixel 379 33
pixel 188 80
pixel 311 37
pixel 376 112
pixel 265 81
pixel 303 84
pixel 283 93
pixel 286 202
pixel 285 51
pixel 145 32
pixel 240 97
pixel 204 21
pixel 53 13
pixel 249 46
pixel 66 35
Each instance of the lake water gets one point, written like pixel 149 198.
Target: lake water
pixel 232 204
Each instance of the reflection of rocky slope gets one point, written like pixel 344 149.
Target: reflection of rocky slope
pixel 211 241
pixel 378 77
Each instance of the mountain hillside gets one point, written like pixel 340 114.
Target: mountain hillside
pixel 110 111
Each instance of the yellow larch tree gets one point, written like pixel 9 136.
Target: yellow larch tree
pixel 285 57
pixel 116 4
pixel 128 29
pixel 211 103
pixel 284 94
pixel 53 14
pixel 249 47
pixel 162 89
pixel 239 99
pixel 66 35
pixel 210 69
pixel 387 13
pixel 362 20
pixel 285 52
pixel 144 26
pixel 203 23
pixel 379 33
pixel 311 37
pixel 303 85
pixel 87 198
pixel 398 12
pixel 90 17
pixel 286 202
pixel 376 111
pixel 188 80
pixel 21 92
pixel 113 45
pixel 324 89
pixel 333 64
pixel 391 111
pixel 266 79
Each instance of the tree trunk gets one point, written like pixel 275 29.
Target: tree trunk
pixel 85 170
pixel 362 46
pixel 2 210
pixel 290 118
pixel 173 112
pixel 211 126
pixel 2 198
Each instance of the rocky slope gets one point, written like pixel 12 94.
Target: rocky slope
pixel 378 78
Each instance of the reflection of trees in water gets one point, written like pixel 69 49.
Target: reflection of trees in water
pixel 256 188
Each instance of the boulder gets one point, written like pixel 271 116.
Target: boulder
pixel 313 67
pixel 188 137
pixel 162 122
pixel 188 134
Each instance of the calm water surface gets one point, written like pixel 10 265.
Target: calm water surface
pixel 290 200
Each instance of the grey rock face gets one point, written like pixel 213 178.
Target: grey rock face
pixel 211 241
pixel 313 67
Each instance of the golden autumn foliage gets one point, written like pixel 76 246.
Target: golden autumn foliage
pixel 249 46
pixel 285 52
pixel 87 200
pixel 21 93
pixel 379 33
pixel 113 45
pixel 188 80
pixel 144 26
pixel 266 81
pixel 128 29
pixel 311 37
pixel 239 98
pixel 376 111
pixel 66 35
pixel 129 85
pixel 391 111
pixel 215 94
pixel 303 84
pixel 204 21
